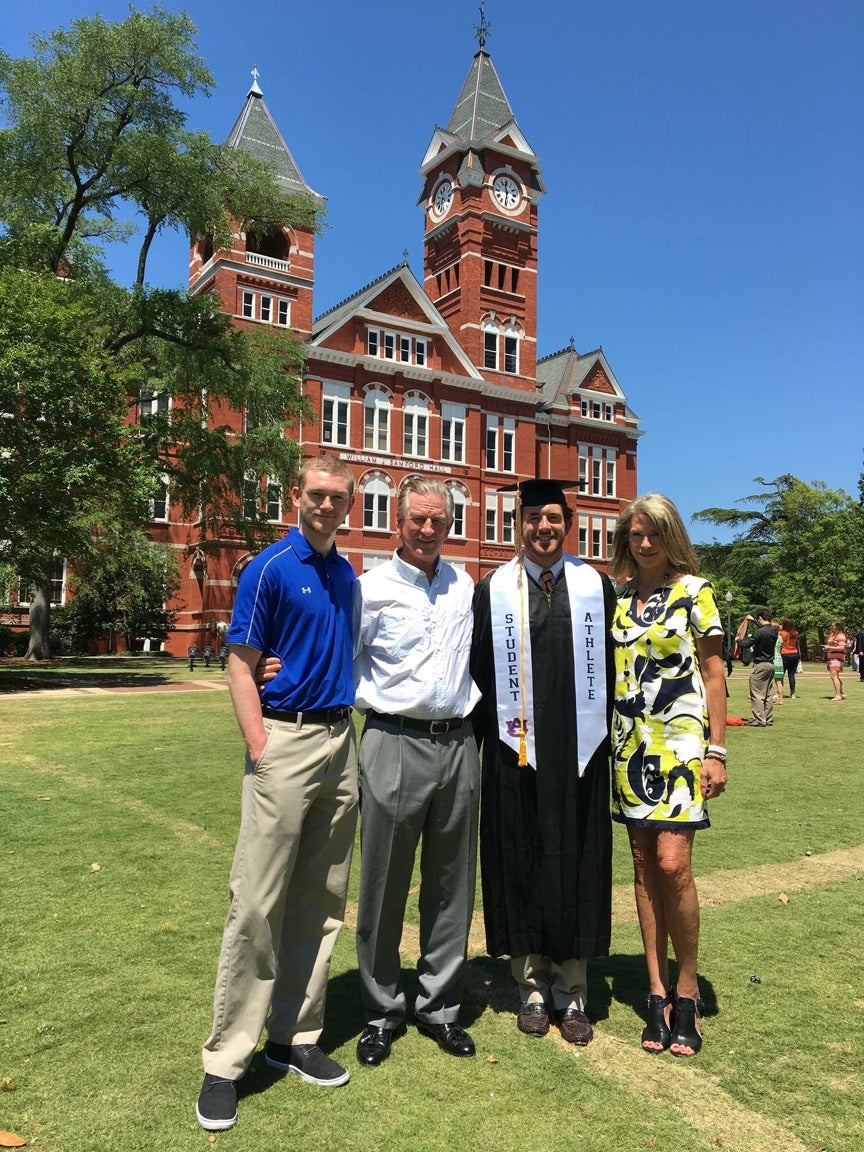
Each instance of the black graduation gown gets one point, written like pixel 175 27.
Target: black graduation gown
pixel 545 835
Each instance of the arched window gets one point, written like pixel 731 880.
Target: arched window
pixel 512 336
pixel 490 345
pixel 376 420
pixel 376 504
pixel 415 433
pixel 459 504
pixel 501 347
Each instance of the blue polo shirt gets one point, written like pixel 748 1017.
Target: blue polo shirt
pixel 298 605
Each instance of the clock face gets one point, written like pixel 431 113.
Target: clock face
pixel 443 198
pixel 506 192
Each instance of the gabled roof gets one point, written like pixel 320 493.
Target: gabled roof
pixel 562 373
pixel 255 132
pixel 364 301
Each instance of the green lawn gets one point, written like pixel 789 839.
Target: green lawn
pixel 120 811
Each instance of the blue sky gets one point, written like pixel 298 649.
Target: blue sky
pixel 704 171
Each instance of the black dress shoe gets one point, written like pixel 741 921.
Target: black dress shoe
pixel 450 1038
pixel 373 1047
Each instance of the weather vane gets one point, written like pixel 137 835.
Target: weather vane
pixel 482 29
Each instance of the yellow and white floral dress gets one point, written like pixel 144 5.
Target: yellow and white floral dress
pixel 660 722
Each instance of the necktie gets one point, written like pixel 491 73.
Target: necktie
pixel 547 582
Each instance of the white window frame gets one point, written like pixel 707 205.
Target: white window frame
pixel 490 347
pixel 499 522
pixel 583 537
pixel 508 517
pixel 247 304
pixel 500 447
pixel 490 519
pixel 457 530
pixel 402 347
pixel 377 402
pixel 156 501
pixel 453 421
pixel 336 412
pixel 283 312
pixel 610 532
pixel 609 467
pixel 415 427
pixel 274 501
pixel 370 562
pixel 376 505
pixel 510 357
pixel 57 582
pixel 150 403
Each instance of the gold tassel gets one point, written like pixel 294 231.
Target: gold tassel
pixel 523 751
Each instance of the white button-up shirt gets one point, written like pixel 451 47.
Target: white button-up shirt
pixel 414 641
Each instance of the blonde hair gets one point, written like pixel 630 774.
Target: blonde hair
pixel 673 538
pixel 331 465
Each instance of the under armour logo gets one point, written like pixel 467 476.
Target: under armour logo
pixel 306 591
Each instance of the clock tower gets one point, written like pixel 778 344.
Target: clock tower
pixel 480 194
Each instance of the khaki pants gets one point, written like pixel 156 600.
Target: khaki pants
pixel 288 885
pixel 762 692
pixel 559 986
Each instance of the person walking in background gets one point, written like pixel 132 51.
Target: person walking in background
pixel 289 879
pixel 542 658
pixel 790 653
pixel 419 776
pixel 668 733
pixel 835 657
pixel 763 641
pixel 778 670
pixel 859 648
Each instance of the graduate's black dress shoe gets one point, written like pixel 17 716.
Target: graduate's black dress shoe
pixel 450 1038
pixel 373 1047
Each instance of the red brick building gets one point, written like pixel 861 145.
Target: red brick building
pixel 438 375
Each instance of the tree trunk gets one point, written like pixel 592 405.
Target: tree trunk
pixel 40 622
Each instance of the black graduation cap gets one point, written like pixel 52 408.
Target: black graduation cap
pixel 536 492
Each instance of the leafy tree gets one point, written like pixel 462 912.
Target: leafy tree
pixel 68 461
pixel 808 541
pixel 95 149
pixel 122 588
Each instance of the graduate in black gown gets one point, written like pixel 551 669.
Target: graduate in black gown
pixel 545 829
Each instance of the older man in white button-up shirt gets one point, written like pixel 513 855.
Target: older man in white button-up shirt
pixel 419 775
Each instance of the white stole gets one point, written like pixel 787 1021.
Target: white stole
pixel 511 649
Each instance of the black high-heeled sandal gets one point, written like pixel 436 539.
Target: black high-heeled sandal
pixel 657 1030
pixel 686 1035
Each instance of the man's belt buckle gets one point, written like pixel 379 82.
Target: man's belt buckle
pixel 439 727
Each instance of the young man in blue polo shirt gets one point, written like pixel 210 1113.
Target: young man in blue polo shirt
pixel 289 879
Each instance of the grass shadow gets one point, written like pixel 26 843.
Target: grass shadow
pixel 19 675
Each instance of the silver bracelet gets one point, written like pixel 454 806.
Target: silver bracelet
pixel 716 752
